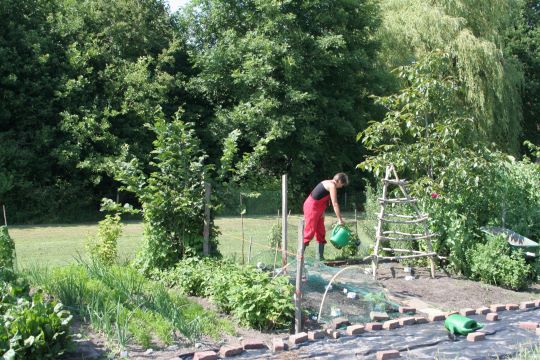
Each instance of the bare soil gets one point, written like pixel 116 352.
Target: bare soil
pixel 447 292
pixel 91 345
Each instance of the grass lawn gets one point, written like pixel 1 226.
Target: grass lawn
pixel 60 244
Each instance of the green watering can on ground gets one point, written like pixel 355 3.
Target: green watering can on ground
pixel 340 236
pixel 461 325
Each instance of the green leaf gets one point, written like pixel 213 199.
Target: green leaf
pixel 9 355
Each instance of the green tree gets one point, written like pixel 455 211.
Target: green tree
pixel 524 43
pixel 427 122
pixel 33 183
pixel 473 32
pixel 79 79
pixel 429 133
pixel 114 81
pixel 172 194
pixel 287 80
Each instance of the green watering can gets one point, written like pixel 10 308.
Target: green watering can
pixel 340 236
pixel 461 325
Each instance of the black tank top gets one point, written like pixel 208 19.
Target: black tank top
pixel 319 192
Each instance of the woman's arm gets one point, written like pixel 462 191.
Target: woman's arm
pixel 335 204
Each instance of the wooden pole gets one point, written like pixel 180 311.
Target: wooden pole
pixel 206 230
pixel 426 227
pixel 277 246
pixel 378 230
pixel 284 220
pixel 356 223
pixel 5 217
pixel 242 226
pixel 249 251
pixel 299 268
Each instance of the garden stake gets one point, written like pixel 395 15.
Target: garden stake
pixel 299 268
pixel 5 218
pixel 277 245
pixel 242 222
pixel 275 256
pixel 284 221
pixel 206 230
pixel 356 221
pixel 250 244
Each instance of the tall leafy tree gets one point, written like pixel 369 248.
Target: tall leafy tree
pixel 429 133
pixel 473 32
pixel 32 182
pixel 288 82
pixel 114 84
pixel 524 43
pixel 171 194
pixel 79 79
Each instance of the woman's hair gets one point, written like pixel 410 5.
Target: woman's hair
pixel 342 178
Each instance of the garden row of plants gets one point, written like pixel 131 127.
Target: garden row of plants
pixel 125 306
pixel 31 326
pixel 252 296
pixel 115 300
pixel 128 306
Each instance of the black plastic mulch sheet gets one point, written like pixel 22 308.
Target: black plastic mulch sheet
pixel 424 341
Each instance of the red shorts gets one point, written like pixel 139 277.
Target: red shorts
pixel 314 219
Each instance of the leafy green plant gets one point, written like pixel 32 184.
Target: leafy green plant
pixel 7 249
pixel 263 303
pixel 124 305
pixel 352 249
pixel 30 327
pixel 377 300
pixel 189 276
pixel 274 235
pixel 144 324
pixel 172 196
pixel 249 294
pixel 103 247
pixel 496 263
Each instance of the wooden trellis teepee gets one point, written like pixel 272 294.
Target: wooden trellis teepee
pixel 391 179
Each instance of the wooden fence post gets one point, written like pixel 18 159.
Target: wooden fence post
pixel 277 245
pixel 249 251
pixel 284 213
pixel 242 224
pixel 299 268
pixel 206 230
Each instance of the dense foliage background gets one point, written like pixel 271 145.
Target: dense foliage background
pixel 268 86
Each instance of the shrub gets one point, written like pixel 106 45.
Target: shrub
pixel 496 263
pixel 189 276
pixel 172 195
pixel 143 324
pixel 7 249
pixel 263 303
pixel 352 248
pixel 31 328
pixel 103 247
pixel 249 294
pixel 274 235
